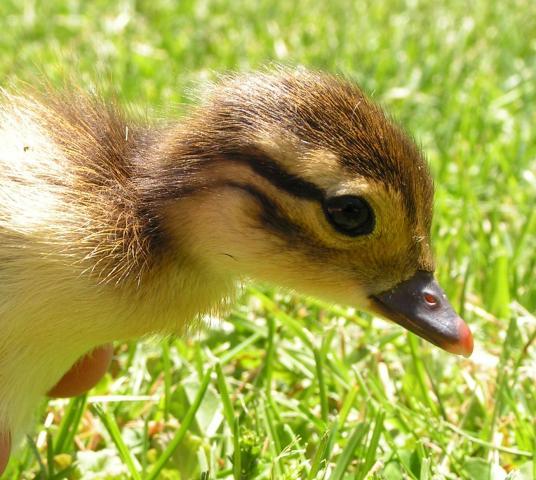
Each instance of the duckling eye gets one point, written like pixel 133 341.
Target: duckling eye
pixel 350 215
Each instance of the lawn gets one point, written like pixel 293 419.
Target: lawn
pixel 288 387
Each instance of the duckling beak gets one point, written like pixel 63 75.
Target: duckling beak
pixel 420 305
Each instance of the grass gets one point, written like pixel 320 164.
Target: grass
pixel 288 387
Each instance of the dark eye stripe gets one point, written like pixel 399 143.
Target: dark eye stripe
pixel 277 176
pixel 271 216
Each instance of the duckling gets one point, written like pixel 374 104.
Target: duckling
pixel 112 229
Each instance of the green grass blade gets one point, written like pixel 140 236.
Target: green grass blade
pixel 228 410
pixel 50 454
pixel 227 357
pixel 34 449
pixel 347 405
pixel 348 453
pixel 319 361
pixel 111 426
pixel 420 373
pixel 185 425
pixel 370 455
pixel 323 451
pixel 237 457
pixel 69 424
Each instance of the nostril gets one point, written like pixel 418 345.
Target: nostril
pixel 431 300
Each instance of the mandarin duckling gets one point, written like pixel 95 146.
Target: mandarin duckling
pixel 114 230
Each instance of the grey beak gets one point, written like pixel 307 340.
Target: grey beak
pixel 420 305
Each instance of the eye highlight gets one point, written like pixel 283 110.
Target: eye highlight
pixel 350 215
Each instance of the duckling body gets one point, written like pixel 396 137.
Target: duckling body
pixel 74 269
pixel 113 230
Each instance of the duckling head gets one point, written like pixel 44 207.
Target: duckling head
pixel 302 181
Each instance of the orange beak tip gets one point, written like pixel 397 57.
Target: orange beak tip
pixel 465 344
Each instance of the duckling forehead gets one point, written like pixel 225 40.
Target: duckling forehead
pixel 333 174
pixel 369 146
pixel 318 166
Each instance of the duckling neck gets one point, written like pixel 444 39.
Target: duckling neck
pixel 84 196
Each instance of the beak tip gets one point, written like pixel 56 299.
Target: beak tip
pixel 466 339
pixel 464 345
